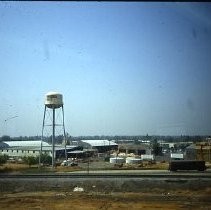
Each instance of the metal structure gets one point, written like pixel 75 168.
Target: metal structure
pixel 53 101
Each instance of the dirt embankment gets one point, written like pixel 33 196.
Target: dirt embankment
pixel 106 185
pixel 99 201
pixel 104 194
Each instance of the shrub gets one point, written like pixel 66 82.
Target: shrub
pixel 30 160
pixel 3 159
pixel 46 159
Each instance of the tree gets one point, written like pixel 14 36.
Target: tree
pixel 5 138
pixel 59 139
pixel 156 148
pixel 136 141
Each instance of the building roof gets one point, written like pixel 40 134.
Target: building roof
pixel 198 147
pixel 77 152
pixel 134 146
pixel 33 145
pixel 36 143
pixel 99 143
pixel 191 147
pixel 30 148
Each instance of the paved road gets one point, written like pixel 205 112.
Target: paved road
pixel 149 172
pixel 113 174
pixel 114 182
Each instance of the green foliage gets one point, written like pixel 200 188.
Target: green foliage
pixel 46 159
pixel 5 138
pixel 136 142
pixel 3 159
pixel 156 148
pixel 30 160
pixel 107 159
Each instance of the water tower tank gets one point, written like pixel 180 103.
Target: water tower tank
pixel 54 100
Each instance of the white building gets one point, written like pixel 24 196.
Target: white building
pixel 32 148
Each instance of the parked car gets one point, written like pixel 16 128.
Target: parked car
pixel 68 163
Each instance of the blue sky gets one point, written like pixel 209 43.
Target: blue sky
pixel 124 68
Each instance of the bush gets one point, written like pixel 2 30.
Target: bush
pixel 30 160
pixel 46 159
pixel 107 159
pixel 3 159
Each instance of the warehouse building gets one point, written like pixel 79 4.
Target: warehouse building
pixel 100 146
pixel 17 149
pixel 199 151
pixel 140 149
pixel 203 151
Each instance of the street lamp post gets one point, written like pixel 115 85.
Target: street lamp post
pixel 9 118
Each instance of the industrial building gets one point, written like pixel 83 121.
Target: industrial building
pixel 203 151
pixel 100 146
pixel 139 149
pixel 32 148
pixel 190 152
pixel 199 151
pixel 17 149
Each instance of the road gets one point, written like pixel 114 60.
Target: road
pixel 123 174
pixel 106 181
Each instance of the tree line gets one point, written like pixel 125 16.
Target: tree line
pixel 29 160
pixel 59 139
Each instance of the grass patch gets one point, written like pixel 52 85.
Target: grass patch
pixel 35 169
pixel 12 167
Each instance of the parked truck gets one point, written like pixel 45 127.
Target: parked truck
pixel 198 165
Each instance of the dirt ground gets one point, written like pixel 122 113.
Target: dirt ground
pixel 104 194
pixel 112 201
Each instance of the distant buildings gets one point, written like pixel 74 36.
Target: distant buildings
pixel 85 148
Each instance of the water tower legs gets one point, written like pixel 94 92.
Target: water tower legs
pixel 43 124
pixel 65 140
pixel 53 140
pixel 54 124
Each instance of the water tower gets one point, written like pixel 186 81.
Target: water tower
pixel 53 102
